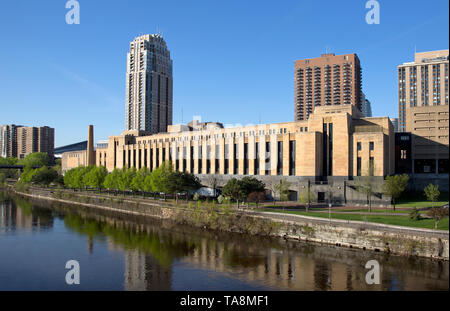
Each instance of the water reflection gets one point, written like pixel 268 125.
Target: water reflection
pixel 26 217
pixel 157 254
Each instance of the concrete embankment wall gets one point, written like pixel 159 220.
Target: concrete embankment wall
pixel 367 236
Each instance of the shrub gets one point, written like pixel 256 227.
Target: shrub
pixel 196 197
pixel 220 199
pixel 414 214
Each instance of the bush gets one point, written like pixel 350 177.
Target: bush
pixel 414 214
pixel 2 178
pixel 196 197
pixel 220 199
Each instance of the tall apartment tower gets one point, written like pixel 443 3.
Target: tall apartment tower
pixel 35 139
pixel 422 83
pixel 149 84
pixel 423 106
pixel 325 81
pixel 8 140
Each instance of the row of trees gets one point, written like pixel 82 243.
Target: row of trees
pixel 43 176
pixel 33 159
pixel 37 159
pixel 163 179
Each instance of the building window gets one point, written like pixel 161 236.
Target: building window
pixel 358 146
pixel 280 158
pixel 245 159
pixel 358 166
pixel 256 166
pixel 371 146
pixel 403 155
pixel 267 168
pixel 292 158
pixel 371 166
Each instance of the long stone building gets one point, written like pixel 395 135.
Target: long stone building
pixel 335 144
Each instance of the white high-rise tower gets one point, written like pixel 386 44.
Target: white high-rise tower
pixel 148 104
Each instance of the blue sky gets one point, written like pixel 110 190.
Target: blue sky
pixel 233 60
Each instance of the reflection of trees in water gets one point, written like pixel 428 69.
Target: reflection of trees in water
pixel 164 250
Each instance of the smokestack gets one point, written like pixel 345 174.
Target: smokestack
pixel 90 147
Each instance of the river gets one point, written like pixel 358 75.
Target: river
pixel 117 252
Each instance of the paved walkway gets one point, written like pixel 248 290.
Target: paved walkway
pixel 353 224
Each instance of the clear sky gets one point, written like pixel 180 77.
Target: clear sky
pixel 233 60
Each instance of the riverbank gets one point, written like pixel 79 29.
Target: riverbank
pixel 352 234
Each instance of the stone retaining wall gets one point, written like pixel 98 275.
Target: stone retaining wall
pixel 366 236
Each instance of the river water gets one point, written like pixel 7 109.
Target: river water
pixel 117 252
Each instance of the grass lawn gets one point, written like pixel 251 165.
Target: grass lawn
pixel 419 204
pixel 388 220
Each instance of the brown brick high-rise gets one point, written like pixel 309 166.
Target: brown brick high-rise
pixel 325 81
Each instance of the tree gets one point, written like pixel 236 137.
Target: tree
pixel 8 161
pixel 394 186
pixel 95 177
pixel 27 175
pixel 366 184
pixel 138 182
pixel 44 176
pixel 36 159
pixel 233 189
pixel 125 178
pixel 306 197
pixel 2 178
pixel 111 180
pixel 437 213
pixel 159 177
pixel 257 197
pixel 282 189
pixel 251 184
pixel 432 193
pixel 211 182
pixel 180 181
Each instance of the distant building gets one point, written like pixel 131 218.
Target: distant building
pixel 19 141
pixel 326 80
pixel 149 84
pixel 394 123
pixel 81 157
pixel 72 147
pixel 8 140
pixel 424 110
pixel 366 107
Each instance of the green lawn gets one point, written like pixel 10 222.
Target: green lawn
pixel 419 204
pixel 389 220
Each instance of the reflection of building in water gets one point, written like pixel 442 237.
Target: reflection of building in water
pixel 12 216
pixel 142 272
pixel 295 266
pixel 309 268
